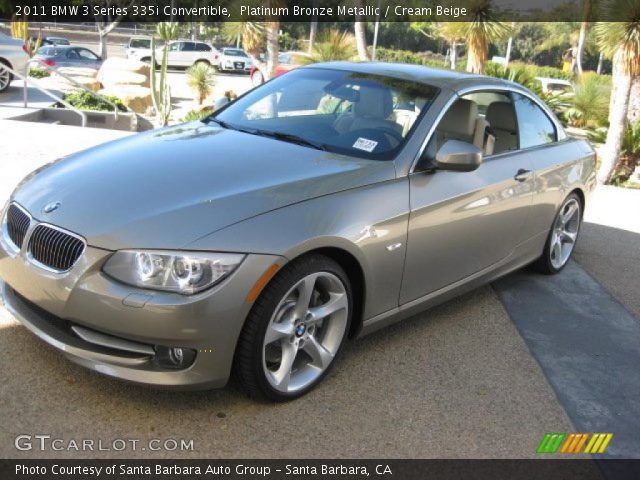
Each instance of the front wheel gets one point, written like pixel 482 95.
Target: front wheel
pixel 5 78
pixel 295 330
pixel 562 237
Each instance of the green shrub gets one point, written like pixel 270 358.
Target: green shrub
pixel 85 101
pixel 194 115
pixel 39 73
pixel 589 107
pixel 201 78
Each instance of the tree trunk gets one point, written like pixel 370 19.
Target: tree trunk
pixel 618 118
pixel 633 114
pixel 273 27
pixel 313 30
pixel 507 57
pixel 600 59
pixel 475 60
pixel 582 40
pixel 361 38
pixel 103 43
pixel 454 55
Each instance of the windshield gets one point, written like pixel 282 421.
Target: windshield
pixel 357 114
pixel 234 52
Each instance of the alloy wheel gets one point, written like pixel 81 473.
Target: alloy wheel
pixel 565 233
pixel 5 79
pixel 305 332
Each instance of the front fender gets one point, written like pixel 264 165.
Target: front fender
pixel 369 222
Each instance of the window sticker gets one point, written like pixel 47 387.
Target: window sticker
pixel 365 144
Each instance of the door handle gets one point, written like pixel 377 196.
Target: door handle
pixel 522 175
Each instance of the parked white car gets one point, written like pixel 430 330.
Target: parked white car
pixel 184 53
pixel 556 86
pixel 13 54
pixel 139 48
pixel 234 60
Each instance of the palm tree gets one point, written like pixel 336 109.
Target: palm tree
pixel 333 45
pixel 484 29
pixel 453 35
pixel 272 26
pixel 620 40
pixel 582 37
pixel 251 35
pixel 359 28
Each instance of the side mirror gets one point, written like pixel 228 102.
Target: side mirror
pixel 458 156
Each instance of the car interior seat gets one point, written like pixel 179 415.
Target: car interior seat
pixel 502 119
pixel 462 122
pixel 371 111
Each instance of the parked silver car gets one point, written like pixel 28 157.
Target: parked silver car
pixel 68 56
pixel 12 54
pixel 323 205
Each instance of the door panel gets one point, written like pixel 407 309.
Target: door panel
pixel 464 222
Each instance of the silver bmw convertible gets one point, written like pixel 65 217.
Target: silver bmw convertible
pixel 319 207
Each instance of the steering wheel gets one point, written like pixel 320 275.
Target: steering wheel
pixel 392 133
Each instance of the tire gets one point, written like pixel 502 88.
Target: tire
pixel 203 62
pixel 284 351
pixel 146 60
pixel 5 77
pixel 562 237
pixel 257 78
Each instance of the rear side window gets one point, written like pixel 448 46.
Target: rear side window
pixel 139 43
pixel 203 47
pixel 188 47
pixel 534 126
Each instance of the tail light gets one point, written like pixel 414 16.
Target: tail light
pixel 24 47
pixel 49 62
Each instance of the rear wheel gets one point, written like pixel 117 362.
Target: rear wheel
pixel 295 330
pixel 5 77
pixel 562 237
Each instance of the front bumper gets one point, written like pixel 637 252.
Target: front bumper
pixel 51 305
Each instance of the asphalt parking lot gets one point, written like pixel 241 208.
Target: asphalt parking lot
pixel 476 377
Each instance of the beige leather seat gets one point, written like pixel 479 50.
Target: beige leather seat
pixel 371 111
pixel 462 122
pixel 502 120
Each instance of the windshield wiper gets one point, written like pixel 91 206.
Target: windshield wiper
pixel 222 123
pixel 289 137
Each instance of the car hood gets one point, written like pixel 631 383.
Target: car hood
pixel 166 188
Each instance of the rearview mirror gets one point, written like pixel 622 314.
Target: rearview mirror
pixel 458 156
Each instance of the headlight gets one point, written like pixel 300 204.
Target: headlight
pixel 180 272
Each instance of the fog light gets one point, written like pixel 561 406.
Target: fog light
pixel 174 357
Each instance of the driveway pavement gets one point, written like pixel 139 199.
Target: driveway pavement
pixel 461 380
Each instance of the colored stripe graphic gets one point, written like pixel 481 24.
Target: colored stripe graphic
pixel 581 443
pixel 572 443
pixel 550 443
